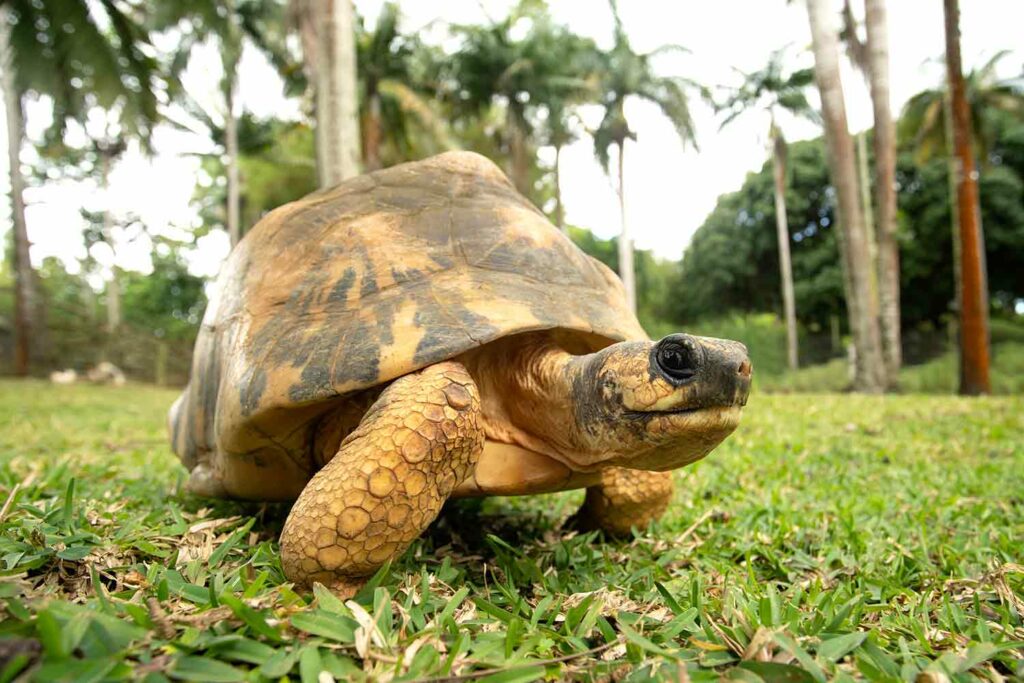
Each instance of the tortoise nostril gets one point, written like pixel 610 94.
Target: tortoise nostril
pixel 745 368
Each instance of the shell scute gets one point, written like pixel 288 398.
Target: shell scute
pixel 356 285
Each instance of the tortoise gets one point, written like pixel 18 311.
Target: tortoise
pixel 423 333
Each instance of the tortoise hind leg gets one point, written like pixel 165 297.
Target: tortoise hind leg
pixel 625 499
pixel 416 443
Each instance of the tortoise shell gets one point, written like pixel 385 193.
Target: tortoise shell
pixel 356 285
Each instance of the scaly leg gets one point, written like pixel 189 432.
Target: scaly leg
pixel 625 499
pixel 388 480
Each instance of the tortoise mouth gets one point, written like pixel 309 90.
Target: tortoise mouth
pixel 678 410
pixel 739 400
pixel 682 416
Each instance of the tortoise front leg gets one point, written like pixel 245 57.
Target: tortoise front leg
pixel 625 499
pixel 388 480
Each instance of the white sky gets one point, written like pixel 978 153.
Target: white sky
pixel 669 191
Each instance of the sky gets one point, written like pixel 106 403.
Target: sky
pixel 669 190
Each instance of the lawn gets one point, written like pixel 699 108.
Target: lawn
pixel 832 537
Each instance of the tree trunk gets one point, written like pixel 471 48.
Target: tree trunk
pixel 160 371
pixel 559 209
pixel 371 134
pixel 337 110
pixel 114 301
pixel 24 283
pixel 885 188
pixel 864 185
pixel 869 370
pixel 518 160
pixel 974 357
pixel 954 216
pixel 864 176
pixel 785 266
pixel 114 286
pixel 625 240
pixel 231 151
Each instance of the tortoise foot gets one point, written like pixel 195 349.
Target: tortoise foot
pixel 625 499
pixel 388 480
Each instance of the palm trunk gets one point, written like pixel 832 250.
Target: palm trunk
pixel 869 367
pixel 864 185
pixel 974 356
pixel 337 109
pixel 864 176
pixel 954 211
pixel 371 134
pixel 114 301
pixel 520 166
pixel 625 240
pixel 24 283
pixel 114 286
pixel 885 188
pixel 559 209
pixel 231 149
pixel 785 266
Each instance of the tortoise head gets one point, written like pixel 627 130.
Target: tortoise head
pixel 660 405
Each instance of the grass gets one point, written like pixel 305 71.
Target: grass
pixel 832 537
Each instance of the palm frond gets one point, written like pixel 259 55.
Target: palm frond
pixel 415 104
pixel 670 96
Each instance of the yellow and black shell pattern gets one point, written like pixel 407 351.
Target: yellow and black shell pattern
pixel 354 286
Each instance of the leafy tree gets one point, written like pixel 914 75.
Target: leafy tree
pixel 58 49
pixel 730 262
pixel 276 159
pixel 168 302
pixel 771 90
pixel 626 74
pixel 727 266
pixel 654 276
pixel 928 265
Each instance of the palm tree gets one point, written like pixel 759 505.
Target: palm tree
pixel 771 90
pixel 559 134
pixel 974 353
pixel 392 106
pixel 493 69
pixel 570 80
pixel 868 368
pixel 922 124
pixel 872 58
pixel 626 74
pixel 60 50
pixel 926 126
pixel 231 24
pixel 327 32
pixel 24 283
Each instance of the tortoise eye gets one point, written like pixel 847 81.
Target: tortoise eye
pixel 675 359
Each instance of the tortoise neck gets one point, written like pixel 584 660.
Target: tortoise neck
pixel 526 387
